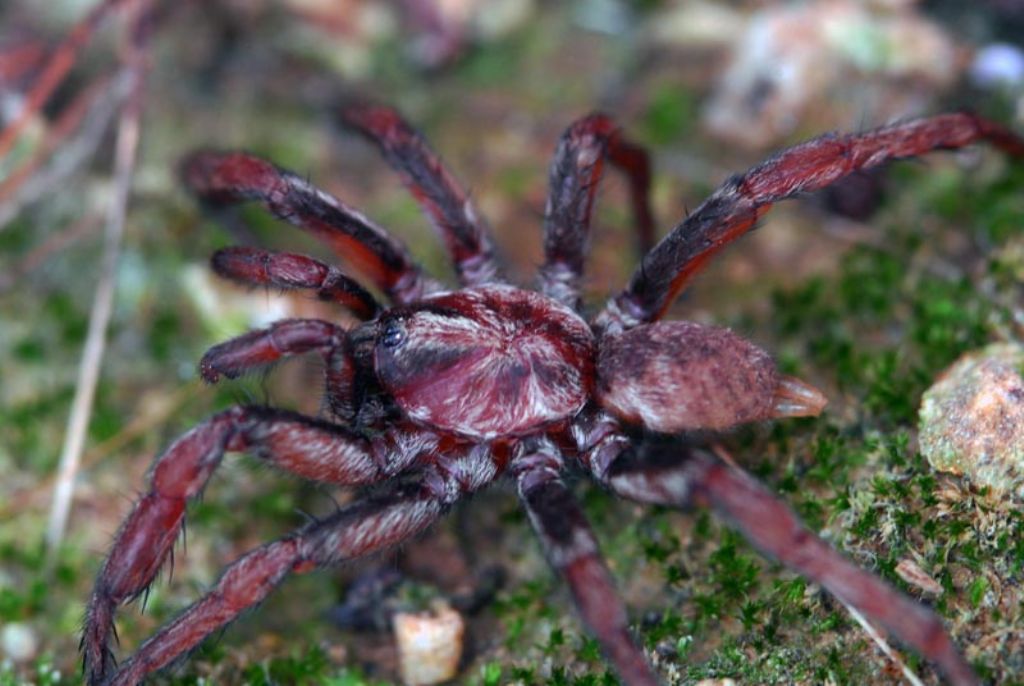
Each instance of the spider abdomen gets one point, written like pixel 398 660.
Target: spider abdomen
pixel 680 376
pixel 486 362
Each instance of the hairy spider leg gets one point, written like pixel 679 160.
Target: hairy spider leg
pixel 370 525
pixel 346 387
pixel 633 160
pixel 288 271
pixel 735 207
pixel 573 180
pixel 665 478
pixel 307 447
pixel 573 552
pixel 448 206
pixel 262 347
pixel 222 179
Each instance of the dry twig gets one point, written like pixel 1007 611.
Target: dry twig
pixel 883 645
pixel 92 354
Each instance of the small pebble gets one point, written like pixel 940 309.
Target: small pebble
pixel 18 642
pixel 429 645
pixel 972 419
pixel 998 65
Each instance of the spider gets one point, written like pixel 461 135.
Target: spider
pixel 440 393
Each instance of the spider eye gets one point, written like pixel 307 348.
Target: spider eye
pixel 393 335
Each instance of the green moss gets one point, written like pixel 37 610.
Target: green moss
pixel 350 677
pixel 309 667
pixel 162 334
pixel 876 297
pixel 491 674
pixel 495 65
pixel 669 116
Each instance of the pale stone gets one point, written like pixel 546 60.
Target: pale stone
pixel 429 645
pixel 19 642
pixel 972 419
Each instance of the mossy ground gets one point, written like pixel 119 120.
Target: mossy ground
pixel 870 313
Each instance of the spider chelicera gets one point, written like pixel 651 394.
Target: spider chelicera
pixel 445 391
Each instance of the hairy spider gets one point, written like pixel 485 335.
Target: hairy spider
pixel 445 391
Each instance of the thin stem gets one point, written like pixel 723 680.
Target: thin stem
pixel 99 319
pixel 882 644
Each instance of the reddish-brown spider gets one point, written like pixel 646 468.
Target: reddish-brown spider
pixel 445 391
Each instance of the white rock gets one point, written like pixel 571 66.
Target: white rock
pixel 998 65
pixel 429 645
pixel 18 642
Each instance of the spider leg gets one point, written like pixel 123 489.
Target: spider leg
pixel 573 180
pixel 365 527
pixel 735 207
pixel 572 550
pixel 287 271
pixel 283 338
pixel 222 179
pixel 347 387
pixel 300 445
pixel 444 201
pixel 634 161
pixel 772 527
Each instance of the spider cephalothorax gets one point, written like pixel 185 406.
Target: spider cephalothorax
pixel 485 362
pixel 443 392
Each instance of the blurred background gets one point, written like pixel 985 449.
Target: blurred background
pixel 868 290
